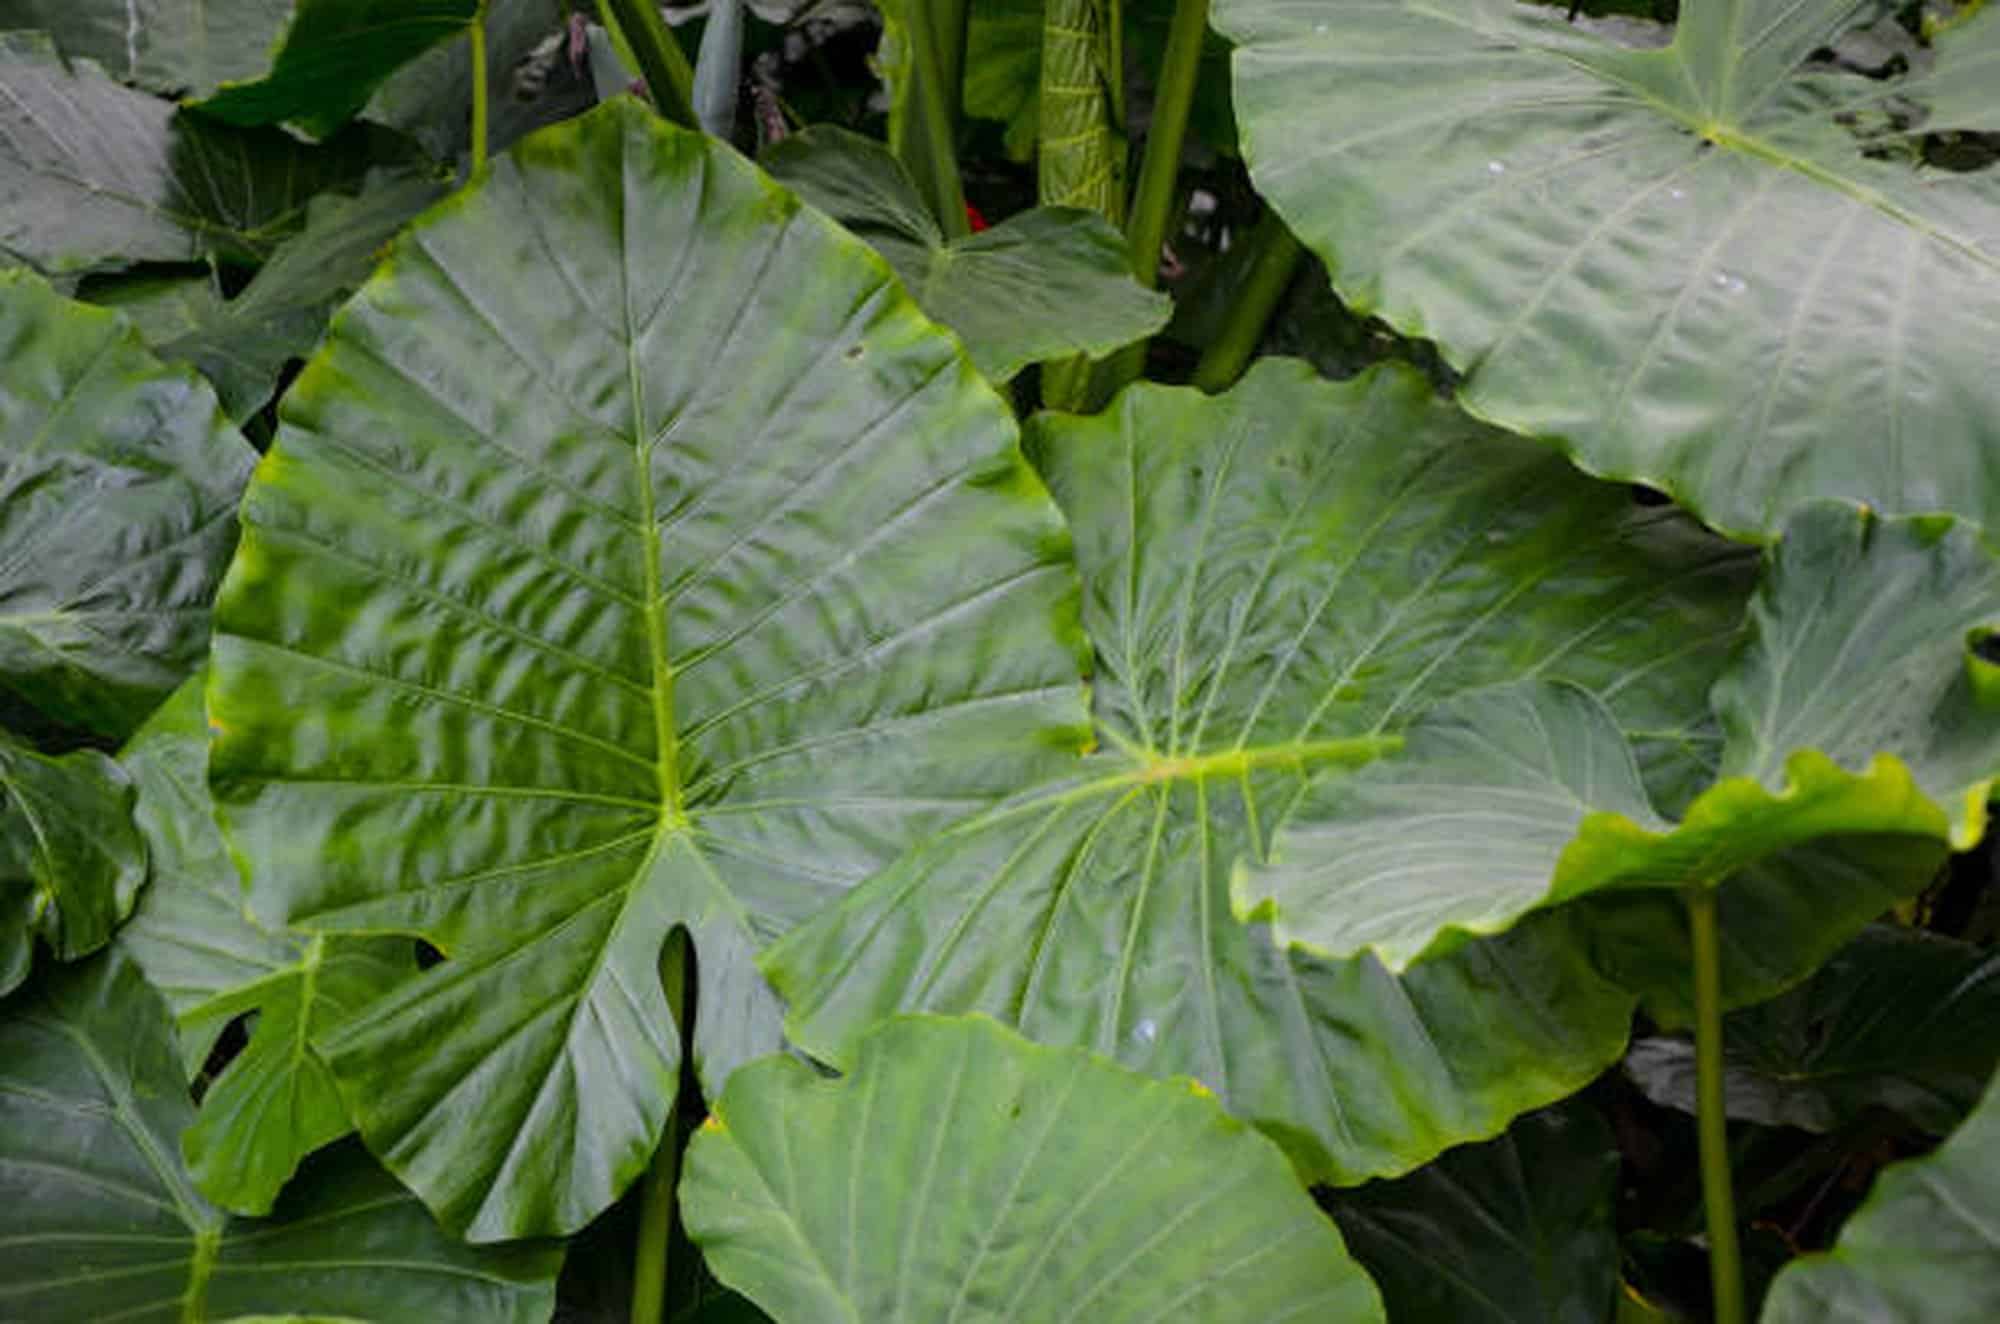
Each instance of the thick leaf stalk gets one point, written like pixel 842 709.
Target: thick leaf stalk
pixel 1276 257
pixel 1725 1258
pixel 475 35
pixel 662 63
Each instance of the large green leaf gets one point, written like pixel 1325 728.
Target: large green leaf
pixel 633 555
pixel 94 175
pixel 964 1171
pixel 243 344
pixel 1276 581
pixel 103 1223
pixel 1514 1230
pixel 276 1101
pixel 1705 266
pixel 1047 283
pixel 1898 1019
pixel 118 481
pixel 1857 708
pixel 1923 1249
pixel 70 863
pixel 429 98
pixel 178 47
pixel 333 57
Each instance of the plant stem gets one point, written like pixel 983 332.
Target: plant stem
pixel 1274 258
pixel 948 29
pixel 662 63
pixel 476 34
pixel 935 163
pixel 657 1199
pixel 1153 196
pixel 1725 1260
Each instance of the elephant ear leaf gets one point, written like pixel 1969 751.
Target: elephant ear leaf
pixel 633 555
pixel 1019 1181
pixel 103 1222
pixel 1716 266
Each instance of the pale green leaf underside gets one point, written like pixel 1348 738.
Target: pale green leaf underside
pixel 276 1101
pixel 1923 1249
pixel 1048 283
pixel 96 434
pixel 1276 582
pixel 175 47
pixel 961 1172
pixel 1899 1019
pixel 1675 261
pixel 1080 142
pixel 632 555
pixel 103 1222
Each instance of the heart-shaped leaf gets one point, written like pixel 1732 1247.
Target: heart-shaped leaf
pixel 1048 283
pixel 633 555
pixel 962 1170
pixel 1277 580
pixel 176 47
pixel 276 1101
pixel 1713 266
pixel 103 1223
pixel 95 435
pixel 1923 1249
pixel 70 863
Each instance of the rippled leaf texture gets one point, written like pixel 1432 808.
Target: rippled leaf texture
pixel 1517 1229
pixel 103 1223
pixel 1856 709
pixel 1080 157
pixel 1276 581
pixel 1680 262
pixel 1923 1249
pixel 94 175
pixel 963 1171
pixel 70 863
pixel 1047 283
pixel 633 555
pixel 333 57
pixel 118 482
pixel 243 344
pixel 176 47
pixel 276 1101
pixel 1899 1019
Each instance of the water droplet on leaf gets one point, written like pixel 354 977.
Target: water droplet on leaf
pixel 1496 167
pixel 1146 1031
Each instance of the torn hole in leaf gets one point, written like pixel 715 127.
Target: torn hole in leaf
pixel 428 956
pixel 1982 666
pixel 234 1038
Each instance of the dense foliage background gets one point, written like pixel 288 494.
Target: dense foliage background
pixel 999 659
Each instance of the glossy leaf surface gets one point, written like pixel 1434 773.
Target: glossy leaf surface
pixel 70 863
pixel 610 575
pixel 174 47
pixel 94 175
pixel 1708 267
pixel 1516 1229
pixel 334 55
pixel 1857 709
pixel 1923 1248
pixel 963 1172
pixel 118 481
pixel 1276 581
pixel 276 1101
pixel 1045 284
pixel 104 1224
pixel 1898 1019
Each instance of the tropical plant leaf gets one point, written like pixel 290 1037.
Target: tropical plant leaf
pixel 1080 161
pixel 175 47
pixel 78 194
pixel 1071 1191
pixel 70 863
pixel 1517 1229
pixel 1276 581
pixel 104 1224
pixel 333 56
pixel 1047 283
pixel 1924 1248
pixel 276 1101
pixel 1857 708
pixel 1898 1019
pixel 1711 267
pixel 96 434
pixel 702 575
pixel 243 344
